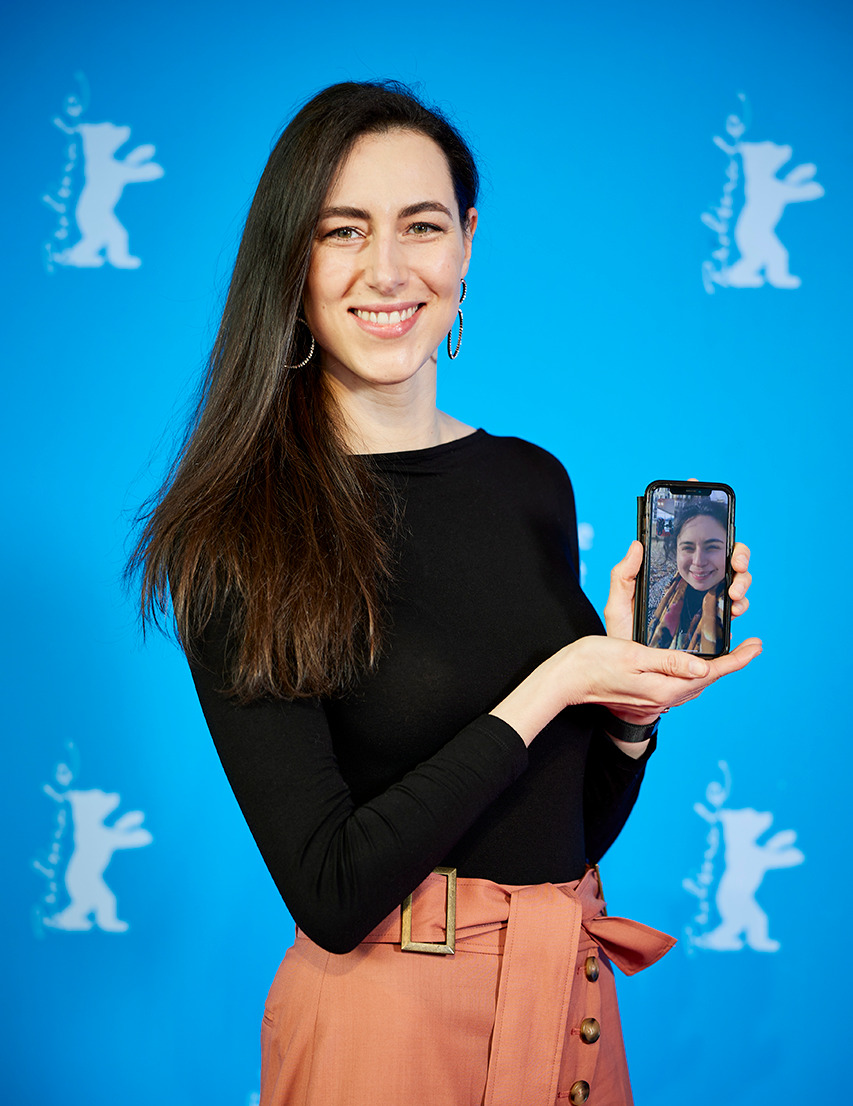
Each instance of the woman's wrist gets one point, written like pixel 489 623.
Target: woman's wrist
pixel 630 738
pixel 629 732
pixel 537 700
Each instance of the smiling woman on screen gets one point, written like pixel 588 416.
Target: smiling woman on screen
pixel 429 733
pixel 689 615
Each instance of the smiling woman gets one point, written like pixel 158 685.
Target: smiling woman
pixel 690 612
pixel 383 286
pixel 431 738
pixel 271 474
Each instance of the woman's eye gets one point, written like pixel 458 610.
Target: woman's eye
pixel 419 229
pixel 343 234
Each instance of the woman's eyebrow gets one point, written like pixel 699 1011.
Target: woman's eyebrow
pixel 343 213
pixel 405 213
pixel 425 205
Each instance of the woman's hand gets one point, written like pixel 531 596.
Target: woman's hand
pixel 737 659
pixel 619 612
pixel 638 684
pixel 634 682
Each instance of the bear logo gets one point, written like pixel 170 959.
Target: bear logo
pixel 762 255
pixel 92 902
pixel 747 860
pixel 754 166
pixel 103 238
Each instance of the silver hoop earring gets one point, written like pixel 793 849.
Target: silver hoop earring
pixel 302 364
pixel 454 353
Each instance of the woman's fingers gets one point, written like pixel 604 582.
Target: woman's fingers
pixel 740 557
pixel 738 658
pixel 706 672
pixel 740 585
pixel 668 678
pixel 632 562
pixel 619 611
pixel 672 662
pixel 742 579
pixel 637 682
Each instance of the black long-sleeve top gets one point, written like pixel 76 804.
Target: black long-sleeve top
pixel 353 801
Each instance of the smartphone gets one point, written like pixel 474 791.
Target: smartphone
pixel 688 532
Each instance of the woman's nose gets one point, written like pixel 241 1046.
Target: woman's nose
pixel 386 270
pixel 698 556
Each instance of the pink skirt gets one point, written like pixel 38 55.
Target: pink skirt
pixel 524 1013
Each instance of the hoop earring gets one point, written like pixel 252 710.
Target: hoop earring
pixel 302 364
pixel 454 353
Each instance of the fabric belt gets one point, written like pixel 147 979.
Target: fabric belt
pixel 539 928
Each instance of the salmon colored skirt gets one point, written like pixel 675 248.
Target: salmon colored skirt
pixel 524 1013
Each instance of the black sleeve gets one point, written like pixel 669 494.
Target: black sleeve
pixel 565 510
pixel 611 785
pixel 341 869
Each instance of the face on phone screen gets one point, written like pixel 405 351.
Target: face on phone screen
pixel 687 560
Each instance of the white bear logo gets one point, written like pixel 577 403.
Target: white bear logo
pixel 762 255
pixel 102 236
pixel 742 920
pixel 763 258
pixel 92 901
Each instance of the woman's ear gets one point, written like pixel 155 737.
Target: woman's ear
pixel 468 233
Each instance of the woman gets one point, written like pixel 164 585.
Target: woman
pixel 689 615
pixel 382 612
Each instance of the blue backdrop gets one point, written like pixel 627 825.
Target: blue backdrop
pixel 656 177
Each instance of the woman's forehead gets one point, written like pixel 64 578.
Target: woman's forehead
pixel 702 526
pixel 402 166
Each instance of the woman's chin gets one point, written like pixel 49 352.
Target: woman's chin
pixel 701 585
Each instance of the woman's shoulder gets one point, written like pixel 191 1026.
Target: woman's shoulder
pixel 480 460
pixel 527 457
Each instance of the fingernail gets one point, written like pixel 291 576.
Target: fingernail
pixel 698 668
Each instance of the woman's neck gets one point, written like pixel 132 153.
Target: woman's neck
pixel 692 601
pixel 393 418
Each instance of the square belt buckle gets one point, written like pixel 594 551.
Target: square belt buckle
pixel 449 946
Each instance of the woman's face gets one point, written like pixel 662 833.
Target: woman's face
pixel 701 552
pixel 386 263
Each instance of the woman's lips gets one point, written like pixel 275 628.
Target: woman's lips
pixel 389 321
pixel 704 580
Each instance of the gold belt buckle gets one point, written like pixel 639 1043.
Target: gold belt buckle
pixel 449 946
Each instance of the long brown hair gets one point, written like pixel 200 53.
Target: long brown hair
pixel 264 519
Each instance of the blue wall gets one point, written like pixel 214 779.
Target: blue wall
pixel 588 329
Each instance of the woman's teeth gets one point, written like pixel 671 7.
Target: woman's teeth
pixel 385 318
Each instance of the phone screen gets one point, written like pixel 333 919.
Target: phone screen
pixel 687 530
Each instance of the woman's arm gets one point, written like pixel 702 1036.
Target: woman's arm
pixel 612 780
pixel 340 868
